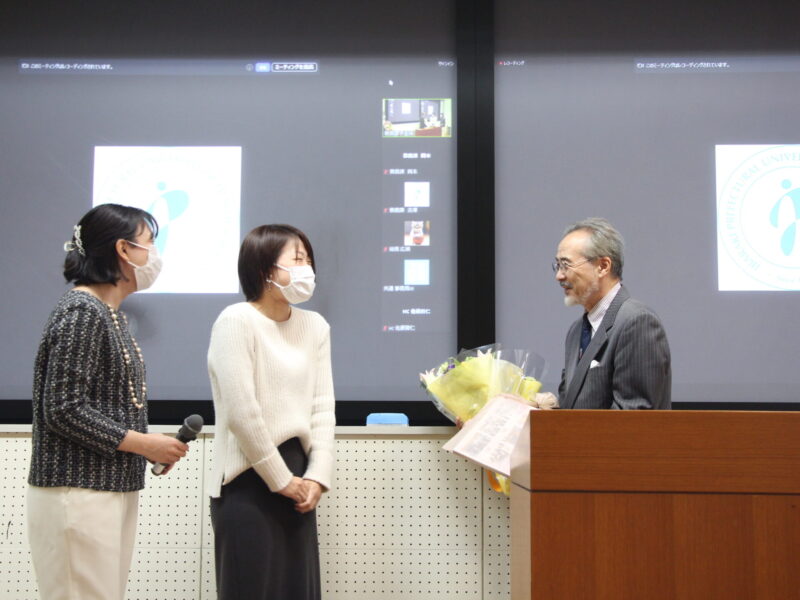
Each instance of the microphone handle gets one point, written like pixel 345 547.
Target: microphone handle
pixel 181 438
pixel 158 468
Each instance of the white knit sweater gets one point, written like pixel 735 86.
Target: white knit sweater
pixel 271 382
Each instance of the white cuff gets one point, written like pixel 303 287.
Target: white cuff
pixel 274 472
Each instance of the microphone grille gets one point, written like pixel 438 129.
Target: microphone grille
pixel 194 422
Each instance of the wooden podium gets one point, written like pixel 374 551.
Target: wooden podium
pixel 648 505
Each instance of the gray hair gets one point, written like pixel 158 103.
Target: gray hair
pixel 603 241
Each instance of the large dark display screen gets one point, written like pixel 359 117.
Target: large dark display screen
pixel 687 139
pixel 240 130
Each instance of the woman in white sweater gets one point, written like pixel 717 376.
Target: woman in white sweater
pixel 270 369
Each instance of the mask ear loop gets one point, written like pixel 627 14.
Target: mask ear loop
pixel 275 283
pixel 128 260
pixel 133 265
pixel 268 279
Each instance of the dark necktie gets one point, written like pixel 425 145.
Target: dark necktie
pixel 586 335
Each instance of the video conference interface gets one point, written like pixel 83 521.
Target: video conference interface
pixel 357 153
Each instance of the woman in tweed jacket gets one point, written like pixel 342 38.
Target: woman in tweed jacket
pixel 90 437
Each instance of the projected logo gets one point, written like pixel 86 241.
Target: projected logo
pixel 194 194
pixel 167 208
pixel 784 217
pixel 758 209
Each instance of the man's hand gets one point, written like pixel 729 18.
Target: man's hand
pixel 546 400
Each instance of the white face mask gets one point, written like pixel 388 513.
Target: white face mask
pixel 147 273
pixel 301 284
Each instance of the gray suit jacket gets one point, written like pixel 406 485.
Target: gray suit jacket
pixel 627 363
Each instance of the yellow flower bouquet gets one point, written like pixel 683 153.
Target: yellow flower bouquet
pixel 463 384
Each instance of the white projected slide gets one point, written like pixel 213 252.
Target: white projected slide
pixel 758 209
pixel 194 193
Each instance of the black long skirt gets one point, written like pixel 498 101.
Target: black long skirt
pixel 264 549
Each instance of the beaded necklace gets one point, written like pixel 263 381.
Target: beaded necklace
pixel 127 357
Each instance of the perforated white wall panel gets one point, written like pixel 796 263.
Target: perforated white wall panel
pixel 496 545
pixel 16 572
pixel 405 520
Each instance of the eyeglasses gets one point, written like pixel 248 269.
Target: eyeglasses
pixel 148 248
pixel 562 264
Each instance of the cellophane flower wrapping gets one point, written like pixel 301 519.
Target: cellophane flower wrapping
pixel 463 384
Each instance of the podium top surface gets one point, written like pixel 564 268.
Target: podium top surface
pixel 660 451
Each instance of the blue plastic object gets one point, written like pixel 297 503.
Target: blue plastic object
pixel 387 419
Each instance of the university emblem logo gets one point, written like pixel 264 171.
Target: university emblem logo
pixel 758 209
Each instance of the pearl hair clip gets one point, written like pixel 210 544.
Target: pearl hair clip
pixel 77 244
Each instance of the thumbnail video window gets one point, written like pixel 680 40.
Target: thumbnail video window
pixel 417 233
pixel 417 117
pixel 417 272
pixel 417 194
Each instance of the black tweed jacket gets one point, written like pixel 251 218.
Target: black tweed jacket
pixel 82 402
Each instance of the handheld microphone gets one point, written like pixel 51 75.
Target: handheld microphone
pixel 188 432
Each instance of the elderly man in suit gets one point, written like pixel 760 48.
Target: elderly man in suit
pixel 617 355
